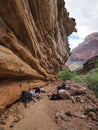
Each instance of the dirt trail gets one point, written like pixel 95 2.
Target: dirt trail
pixel 51 114
pixel 36 118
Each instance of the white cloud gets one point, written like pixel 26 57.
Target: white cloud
pixel 86 14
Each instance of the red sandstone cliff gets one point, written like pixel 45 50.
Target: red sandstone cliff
pixel 33 42
pixel 33 38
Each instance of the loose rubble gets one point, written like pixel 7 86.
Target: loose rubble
pixel 88 109
pixel 77 108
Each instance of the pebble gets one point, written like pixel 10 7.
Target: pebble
pixel 92 115
pixel 11 126
pixel 17 119
pixel 68 113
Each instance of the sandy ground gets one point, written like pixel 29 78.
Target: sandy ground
pixel 36 118
pixel 40 115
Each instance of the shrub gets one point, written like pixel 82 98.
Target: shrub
pixel 66 75
pixel 80 78
pixel 92 80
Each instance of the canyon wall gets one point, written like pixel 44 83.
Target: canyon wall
pixel 84 51
pixel 33 38
pixel 90 64
pixel 33 44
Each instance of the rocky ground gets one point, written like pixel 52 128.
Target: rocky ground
pixel 77 111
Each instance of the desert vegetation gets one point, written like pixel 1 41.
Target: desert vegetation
pixel 90 79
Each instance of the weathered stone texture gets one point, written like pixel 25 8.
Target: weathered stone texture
pixel 33 43
pixel 33 38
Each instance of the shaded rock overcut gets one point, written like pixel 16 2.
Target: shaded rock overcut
pixel 33 43
pixel 33 38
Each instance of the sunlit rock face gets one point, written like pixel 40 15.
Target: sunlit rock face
pixel 33 38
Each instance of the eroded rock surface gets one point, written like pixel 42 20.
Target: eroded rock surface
pixel 33 38
pixel 33 43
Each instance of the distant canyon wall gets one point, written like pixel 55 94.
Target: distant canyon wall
pixel 83 52
pixel 33 38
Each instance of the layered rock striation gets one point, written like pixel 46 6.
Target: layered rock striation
pixel 33 43
pixel 33 38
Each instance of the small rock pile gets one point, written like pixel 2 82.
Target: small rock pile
pixel 88 107
pixel 76 93
pixel 11 115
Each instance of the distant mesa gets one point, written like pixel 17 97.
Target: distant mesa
pixel 83 52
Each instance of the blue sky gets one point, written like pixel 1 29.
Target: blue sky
pixel 74 37
pixel 74 40
pixel 86 14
